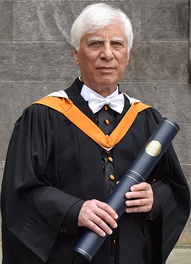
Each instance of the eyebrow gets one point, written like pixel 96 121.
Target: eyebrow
pixel 102 39
pixel 118 39
pixel 95 39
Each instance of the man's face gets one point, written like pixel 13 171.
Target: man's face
pixel 102 58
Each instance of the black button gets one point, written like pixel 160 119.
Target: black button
pixel 63 229
pixel 152 217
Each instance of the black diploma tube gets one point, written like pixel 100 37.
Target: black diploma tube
pixel 90 242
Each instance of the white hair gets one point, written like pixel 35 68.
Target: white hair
pixel 97 16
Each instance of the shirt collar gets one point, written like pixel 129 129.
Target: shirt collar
pixel 86 91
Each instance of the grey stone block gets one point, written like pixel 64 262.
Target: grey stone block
pixel 50 21
pixel 36 61
pixel 165 20
pixel 6 21
pixel 158 61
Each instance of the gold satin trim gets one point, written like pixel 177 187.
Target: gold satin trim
pixel 137 174
pixel 131 177
pixel 67 108
pixel 83 251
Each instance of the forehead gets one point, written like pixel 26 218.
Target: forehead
pixel 112 31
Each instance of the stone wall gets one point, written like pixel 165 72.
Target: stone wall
pixel 36 59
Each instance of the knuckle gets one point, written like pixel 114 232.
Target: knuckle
pixel 99 222
pixel 89 225
pixel 105 216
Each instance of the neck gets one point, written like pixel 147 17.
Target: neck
pixel 103 90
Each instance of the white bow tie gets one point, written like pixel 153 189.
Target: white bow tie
pixel 115 102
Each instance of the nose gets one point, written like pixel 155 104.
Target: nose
pixel 107 52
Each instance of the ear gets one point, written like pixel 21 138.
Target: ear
pixel 128 57
pixel 75 54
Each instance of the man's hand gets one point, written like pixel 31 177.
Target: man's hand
pixel 97 216
pixel 140 199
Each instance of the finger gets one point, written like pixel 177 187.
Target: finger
pixel 93 225
pixel 138 209
pixel 140 191
pixel 108 209
pixel 139 205
pixel 146 203
pixel 143 186
pixel 101 224
pixel 137 195
pixel 136 202
pixel 105 218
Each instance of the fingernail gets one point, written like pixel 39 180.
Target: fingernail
pixel 116 216
pixel 104 234
pixel 127 195
pixel 115 225
pixel 110 232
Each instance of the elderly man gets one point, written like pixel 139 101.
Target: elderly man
pixel 68 151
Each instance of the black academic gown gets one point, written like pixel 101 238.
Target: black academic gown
pixel 52 167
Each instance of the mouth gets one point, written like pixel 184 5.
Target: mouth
pixel 106 69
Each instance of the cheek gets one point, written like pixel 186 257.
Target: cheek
pixel 123 64
pixel 123 58
pixel 86 60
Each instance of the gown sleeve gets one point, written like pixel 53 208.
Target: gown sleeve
pixel 33 209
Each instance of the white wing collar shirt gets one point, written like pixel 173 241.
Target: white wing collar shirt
pixel 96 102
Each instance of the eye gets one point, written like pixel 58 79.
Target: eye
pixel 117 44
pixel 95 44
